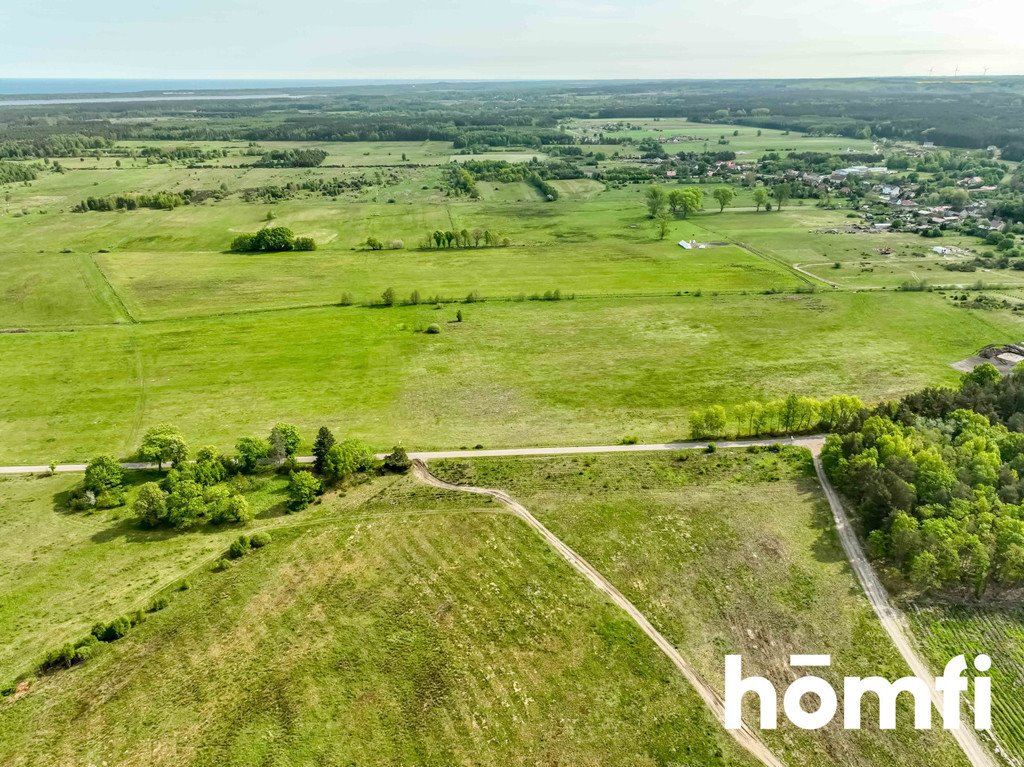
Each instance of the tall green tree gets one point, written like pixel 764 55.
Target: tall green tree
pixel 724 195
pixel 656 200
pixel 164 444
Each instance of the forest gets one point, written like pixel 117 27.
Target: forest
pixel 937 481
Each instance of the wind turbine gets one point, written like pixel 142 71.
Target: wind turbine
pixel 986 72
pixel 956 71
pixel 930 70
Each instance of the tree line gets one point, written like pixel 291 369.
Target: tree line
pixel 292 158
pixel 793 414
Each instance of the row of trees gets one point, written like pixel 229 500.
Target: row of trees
pixel 158 201
pixel 292 158
pixel 791 415
pixel 272 239
pixel 936 479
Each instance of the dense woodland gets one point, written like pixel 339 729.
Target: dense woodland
pixel 958 113
pixel 938 481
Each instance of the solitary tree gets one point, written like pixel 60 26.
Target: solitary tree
pixel 656 200
pixel 781 194
pixel 662 221
pixel 760 197
pixel 724 195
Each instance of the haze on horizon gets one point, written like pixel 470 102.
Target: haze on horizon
pixel 521 39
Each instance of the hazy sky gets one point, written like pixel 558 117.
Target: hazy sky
pixel 529 39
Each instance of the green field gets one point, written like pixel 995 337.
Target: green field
pixel 354 636
pixel 733 552
pixel 513 373
pixel 945 631
pixel 695 137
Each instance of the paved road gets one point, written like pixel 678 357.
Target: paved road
pixel 746 737
pixel 809 442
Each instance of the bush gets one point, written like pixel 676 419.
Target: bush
pixel 68 655
pixel 259 540
pixel 303 488
pixel 157 604
pixel 222 565
pixel 239 547
pixel 111 632
pixel 110 499
pixel 433 329
pixel 397 461
pixel 103 473
pixel 304 243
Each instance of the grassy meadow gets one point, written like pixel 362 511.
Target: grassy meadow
pixel 733 552
pixel 512 373
pixel 354 636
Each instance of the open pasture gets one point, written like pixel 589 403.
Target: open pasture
pixel 696 137
pixel 354 635
pixel 512 373
pixel 733 552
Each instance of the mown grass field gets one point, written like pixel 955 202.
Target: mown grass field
pixel 733 552
pixel 513 373
pixel 354 637
pixel 695 137
pixel 945 631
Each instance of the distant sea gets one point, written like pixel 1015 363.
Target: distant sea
pixel 48 91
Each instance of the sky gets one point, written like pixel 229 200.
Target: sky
pixel 510 39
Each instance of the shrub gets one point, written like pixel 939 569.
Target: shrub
pixel 259 540
pixel 239 547
pixel 103 473
pixel 111 632
pixel 397 461
pixel 433 329
pixel 304 243
pixel 150 504
pixel 157 604
pixel 396 244
pixel 303 488
pixel 222 565
pixel 110 499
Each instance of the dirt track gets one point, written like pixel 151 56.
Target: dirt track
pixel 745 737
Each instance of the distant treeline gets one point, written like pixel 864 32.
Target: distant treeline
pixel 11 172
pixel 974 114
pixel 507 172
pixel 53 145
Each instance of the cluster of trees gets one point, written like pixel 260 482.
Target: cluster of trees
pixel 334 187
pixel 937 481
pixel 12 172
pixel 292 158
pixel 271 239
pixel 682 201
pixel 460 181
pixel 465 238
pixel 335 463
pixel 158 201
pixel 791 415
pixel 507 172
